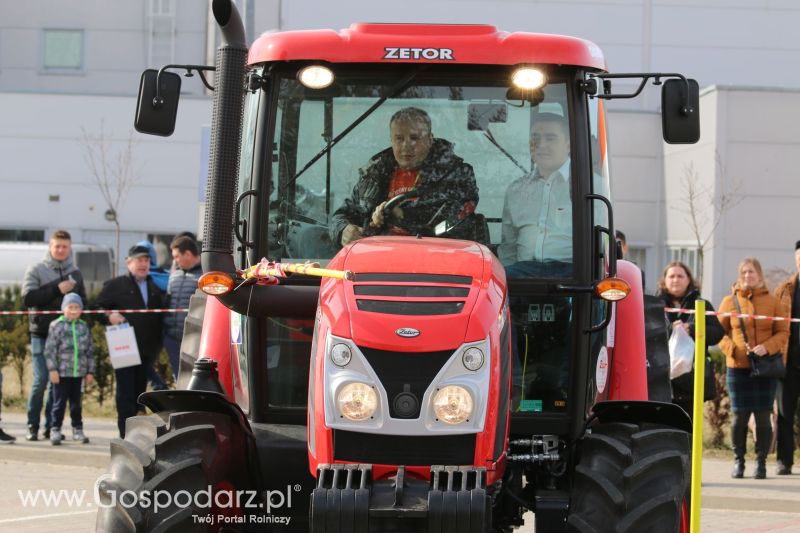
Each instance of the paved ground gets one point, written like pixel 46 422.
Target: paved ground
pixel 728 505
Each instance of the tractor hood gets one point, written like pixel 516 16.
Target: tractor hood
pixel 417 294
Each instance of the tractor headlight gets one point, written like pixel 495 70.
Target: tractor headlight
pixel 452 404
pixel 357 401
pixel 472 358
pixel 341 354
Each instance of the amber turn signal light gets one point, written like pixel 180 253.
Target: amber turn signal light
pixel 612 289
pixel 215 283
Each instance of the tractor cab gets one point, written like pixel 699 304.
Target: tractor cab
pixel 455 363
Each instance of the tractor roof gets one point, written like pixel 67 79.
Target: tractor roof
pixel 439 43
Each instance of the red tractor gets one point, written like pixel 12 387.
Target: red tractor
pixel 441 384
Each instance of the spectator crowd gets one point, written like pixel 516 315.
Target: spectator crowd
pixel 749 341
pixel 62 351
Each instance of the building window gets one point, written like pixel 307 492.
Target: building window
pixel 63 49
pixel 687 255
pixel 638 256
pixel 22 235
pixel 161 242
pixel 162 7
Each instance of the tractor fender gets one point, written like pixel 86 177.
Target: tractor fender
pixel 167 401
pixel 636 412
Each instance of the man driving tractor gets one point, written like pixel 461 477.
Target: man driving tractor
pixel 416 163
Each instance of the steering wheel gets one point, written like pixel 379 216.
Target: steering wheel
pixel 397 201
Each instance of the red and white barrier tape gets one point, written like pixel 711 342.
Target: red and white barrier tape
pixel 96 311
pixel 733 315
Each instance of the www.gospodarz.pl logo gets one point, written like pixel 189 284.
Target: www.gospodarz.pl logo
pixel 210 505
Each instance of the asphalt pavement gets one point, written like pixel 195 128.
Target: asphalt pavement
pixel 730 505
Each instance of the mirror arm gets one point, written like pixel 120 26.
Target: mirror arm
pixel 657 76
pixel 158 101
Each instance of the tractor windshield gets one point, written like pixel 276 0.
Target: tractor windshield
pixel 452 154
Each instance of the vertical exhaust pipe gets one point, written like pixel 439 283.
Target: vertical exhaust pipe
pixel 226 134
pixel 223 175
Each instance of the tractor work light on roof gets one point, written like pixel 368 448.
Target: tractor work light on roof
pixel 215 283
pixel 612 289
pixel 316 77
pixel 527 78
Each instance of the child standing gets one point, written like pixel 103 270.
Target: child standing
pixel 70 357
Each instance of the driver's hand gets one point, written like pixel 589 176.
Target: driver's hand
pixel 377 215
pixel 351 233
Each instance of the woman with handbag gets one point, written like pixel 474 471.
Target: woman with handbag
pixel 677 288
pixel 753 356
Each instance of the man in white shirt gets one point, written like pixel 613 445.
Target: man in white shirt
pixel 537 212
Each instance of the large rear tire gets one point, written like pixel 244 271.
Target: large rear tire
pixel 630 478
pixel 167 453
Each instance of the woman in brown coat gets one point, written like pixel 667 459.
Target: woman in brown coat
pixel 764 337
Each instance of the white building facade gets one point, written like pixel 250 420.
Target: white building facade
pixel 68 68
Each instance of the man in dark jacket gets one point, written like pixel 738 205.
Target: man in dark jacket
pixel 447 192
pixel 134 290
pixel 788 293
pixel 43 287
pixel 181 287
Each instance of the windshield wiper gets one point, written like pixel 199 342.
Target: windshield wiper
pixel 488 135
pixel 391 93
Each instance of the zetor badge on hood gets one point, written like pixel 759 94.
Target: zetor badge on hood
pixel 418 53
pixel 407 332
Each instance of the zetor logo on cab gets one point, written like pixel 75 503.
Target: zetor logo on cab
pixel 418 53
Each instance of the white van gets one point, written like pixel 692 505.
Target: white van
pixel 94 262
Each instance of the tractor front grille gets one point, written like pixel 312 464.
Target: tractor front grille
pixel 404 307
pixel 411 294
pixel 405 372
pixel 403 450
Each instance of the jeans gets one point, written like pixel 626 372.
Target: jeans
pixel 41 382
pixel 155 379
pixel 67 390
pixel 173 347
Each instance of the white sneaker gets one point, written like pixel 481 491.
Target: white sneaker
pixel 78 436
pixel 55 436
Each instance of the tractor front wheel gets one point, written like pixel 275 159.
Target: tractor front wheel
pixel 174 472
pixel 630 478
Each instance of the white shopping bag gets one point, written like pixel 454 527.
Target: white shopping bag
pixel 122 348
pixel 681 352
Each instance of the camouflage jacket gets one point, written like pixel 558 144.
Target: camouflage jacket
pixel 69 348
pixel 447 184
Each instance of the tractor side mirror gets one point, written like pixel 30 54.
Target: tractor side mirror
pixel 157 110
pixel 680 113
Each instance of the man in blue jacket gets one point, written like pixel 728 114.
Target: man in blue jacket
pixel 182 285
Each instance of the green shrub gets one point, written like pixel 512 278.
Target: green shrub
pixel 718 410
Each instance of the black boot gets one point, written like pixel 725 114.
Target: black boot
pixel 738 468
pixel 763 440
pixel 739 442
pixel 761 469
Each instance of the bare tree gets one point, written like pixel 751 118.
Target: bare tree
pixel 695 203
pixel 112 172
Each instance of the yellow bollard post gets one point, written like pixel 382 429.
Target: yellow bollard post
pixel 697 410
